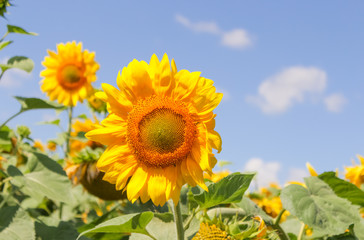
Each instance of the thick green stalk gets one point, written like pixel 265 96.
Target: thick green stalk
pixel 179 222
pixel 70 110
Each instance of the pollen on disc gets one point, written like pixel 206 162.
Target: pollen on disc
pixel 162 130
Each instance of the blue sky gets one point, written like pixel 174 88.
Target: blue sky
pixel 292 71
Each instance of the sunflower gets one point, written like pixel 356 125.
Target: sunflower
pixel 82 127
pixel 217 176
pixel 211 232
pixel 69 73
pixel 159 131
pixel 355 174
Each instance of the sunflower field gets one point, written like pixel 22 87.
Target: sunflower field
pixel 142 167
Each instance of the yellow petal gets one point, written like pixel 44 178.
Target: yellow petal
pixel 311 169
pixel 124 173
pixel 117 101
pixel 112 154
pixel 171 175
pixel 108 135
pixel 157 186
pixel 196 173
pixel 136 183
pixel 135 81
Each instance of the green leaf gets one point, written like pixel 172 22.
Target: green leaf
pixel 319 207
pixel 4 44
pixel 46 178
pixel 292 236
pixel 130 223
pixel 50 228
pixel 54 122
pixel 343 188
pixel 16 224
pixel 228 190
pixel 163 227
pixel 83 116
pixel 16 29
pixel 36 103
pixel 251 209
pixel 5 139
pixel 20 62
pixel 291 226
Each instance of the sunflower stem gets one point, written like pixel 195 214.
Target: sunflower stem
pixel 178 220
pixel 278 219
pixel 16 114
pixel 70 110
pixel 302 230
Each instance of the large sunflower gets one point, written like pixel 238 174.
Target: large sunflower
pixel 69 73
pixel 159 131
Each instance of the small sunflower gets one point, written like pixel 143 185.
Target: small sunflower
pixel 210 232
pixel 82 127
pixel 217 176
pixel 52 146
pixel 82 169
pixel 355 174
pixel 96 104
pixel 69 73
pixel 39 145
pixel 159 131
pixel 268 199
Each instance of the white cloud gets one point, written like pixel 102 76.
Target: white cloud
pixel 12 78
pixel 297 174
pixel 267 172
pixel 278 93
pixel 237 38
pixel 208 27
pixel 335 102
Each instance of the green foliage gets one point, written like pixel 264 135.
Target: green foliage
pixel 20 62
pixel 37 103
pixel 5 139
pixel 251 209
pixel 44 177
pixel 4 44
pixel 50 228
pixel 16 224
pixel 23 131
pixel 3 5
pixel 228 190
pixel 16 29
pixel 343 188
pixel 130 223
pixel 319 207
pixel 54 122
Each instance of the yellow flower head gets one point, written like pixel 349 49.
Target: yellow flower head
pixel 38 144
pixel 210 232
pixel 96 104
pixel 355 174
pixel 217 176
pixel 69 73
pixel 52 146
pixel 159 131
pixel 78 127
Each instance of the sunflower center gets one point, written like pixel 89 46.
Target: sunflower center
pixel 71 74
pixel 161 131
